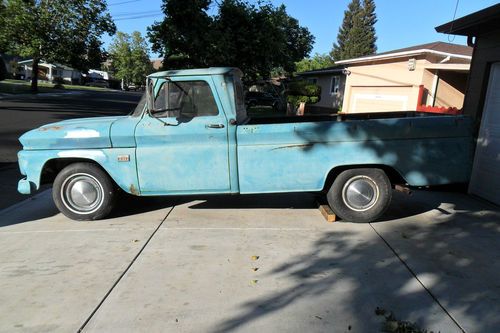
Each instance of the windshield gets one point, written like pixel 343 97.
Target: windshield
pixel 140 107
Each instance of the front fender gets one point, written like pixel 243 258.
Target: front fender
pixel 119 163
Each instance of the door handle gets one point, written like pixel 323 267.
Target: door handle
pixel 214 126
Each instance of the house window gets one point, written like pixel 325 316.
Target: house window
pixel 334 87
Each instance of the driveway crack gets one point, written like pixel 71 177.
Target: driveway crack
pixel 419 281
pixel 124 272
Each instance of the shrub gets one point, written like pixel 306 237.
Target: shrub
pixel 303 92
pixel 58 82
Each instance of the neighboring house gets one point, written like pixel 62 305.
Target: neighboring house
pixel 482 99
pixel 98 74
pixel 332 83
pixel 433 74
pixel 47 72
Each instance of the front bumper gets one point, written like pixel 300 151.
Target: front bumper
pixel 25 186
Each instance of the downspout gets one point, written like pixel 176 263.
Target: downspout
pixel 435 84
pixel 445 60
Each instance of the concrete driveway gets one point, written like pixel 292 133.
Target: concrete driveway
pixel 266 263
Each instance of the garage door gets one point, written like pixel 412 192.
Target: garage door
pixel 485 179
pixel 379 99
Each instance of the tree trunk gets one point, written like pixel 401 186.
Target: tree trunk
pixel 34 75
pixel 301 109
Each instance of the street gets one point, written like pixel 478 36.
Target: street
pixel 25 112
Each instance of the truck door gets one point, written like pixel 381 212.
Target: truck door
pixel 183 147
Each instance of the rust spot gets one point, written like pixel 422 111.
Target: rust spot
pixel 301 146
pixel 50 128
pixel 133 190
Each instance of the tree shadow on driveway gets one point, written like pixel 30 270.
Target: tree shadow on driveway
pixel 452 249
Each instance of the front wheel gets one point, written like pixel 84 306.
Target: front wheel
pixel 83 191
pixel 360 195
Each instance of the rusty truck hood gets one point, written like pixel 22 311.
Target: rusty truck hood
pixel 83 133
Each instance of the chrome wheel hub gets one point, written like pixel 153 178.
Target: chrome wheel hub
pixel 82 193
pixel 360 193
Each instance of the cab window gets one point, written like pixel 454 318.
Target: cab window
pixel 185 98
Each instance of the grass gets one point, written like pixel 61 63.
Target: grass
pixel 24 87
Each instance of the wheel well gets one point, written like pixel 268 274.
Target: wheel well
pixel 394 176
pixel 52 167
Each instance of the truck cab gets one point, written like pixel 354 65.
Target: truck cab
pixel 190 135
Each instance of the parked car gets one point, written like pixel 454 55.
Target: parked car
pixel 190 134
pixel 98 83
pixel 257 98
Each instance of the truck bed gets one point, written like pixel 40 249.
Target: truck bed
pixel 289 154
pixel 280 119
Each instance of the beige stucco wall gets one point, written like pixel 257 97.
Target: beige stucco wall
pixel 451 89
pixel 390 86
pixel 328 100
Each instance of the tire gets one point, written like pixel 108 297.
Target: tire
pixel 84 192
pixel 360 195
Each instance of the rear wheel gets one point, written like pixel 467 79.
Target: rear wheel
pixel 83 191
pixel 360 195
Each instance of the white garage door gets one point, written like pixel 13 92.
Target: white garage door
pixel 379 99
pixel 485 179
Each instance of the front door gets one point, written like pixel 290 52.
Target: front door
pixel 184 149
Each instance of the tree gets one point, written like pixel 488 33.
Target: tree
pixel 130 56
pixel 3 69
pixel 256 38
pixel 318 61
pixel 369 20
pixel 356 36
pixel 63 31
pixel 182 35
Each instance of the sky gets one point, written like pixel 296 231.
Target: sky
pixel 401 23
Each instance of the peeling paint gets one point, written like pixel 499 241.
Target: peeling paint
pixel 133 190
pixel 92 154
pixel 301 146
pixel 82 133
pixel 50 128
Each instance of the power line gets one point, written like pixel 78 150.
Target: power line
pixel 451 27
pixel 147 12
pixel 137 17
pixel 122 2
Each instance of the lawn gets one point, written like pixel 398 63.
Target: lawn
pixel 24 87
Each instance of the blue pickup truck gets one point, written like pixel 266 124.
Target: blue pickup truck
pixel 190 135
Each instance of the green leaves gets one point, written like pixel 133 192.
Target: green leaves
pixel 318 61
pixel 62 31
pixel 255 38
pixel 130 56
pixel 302 91
pixel 356 36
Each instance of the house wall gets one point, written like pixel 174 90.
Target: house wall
pixel 389 85
pixel 329 102
pixel 451 89
pixel 486 51
pixel 482 101
pixel 383 86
